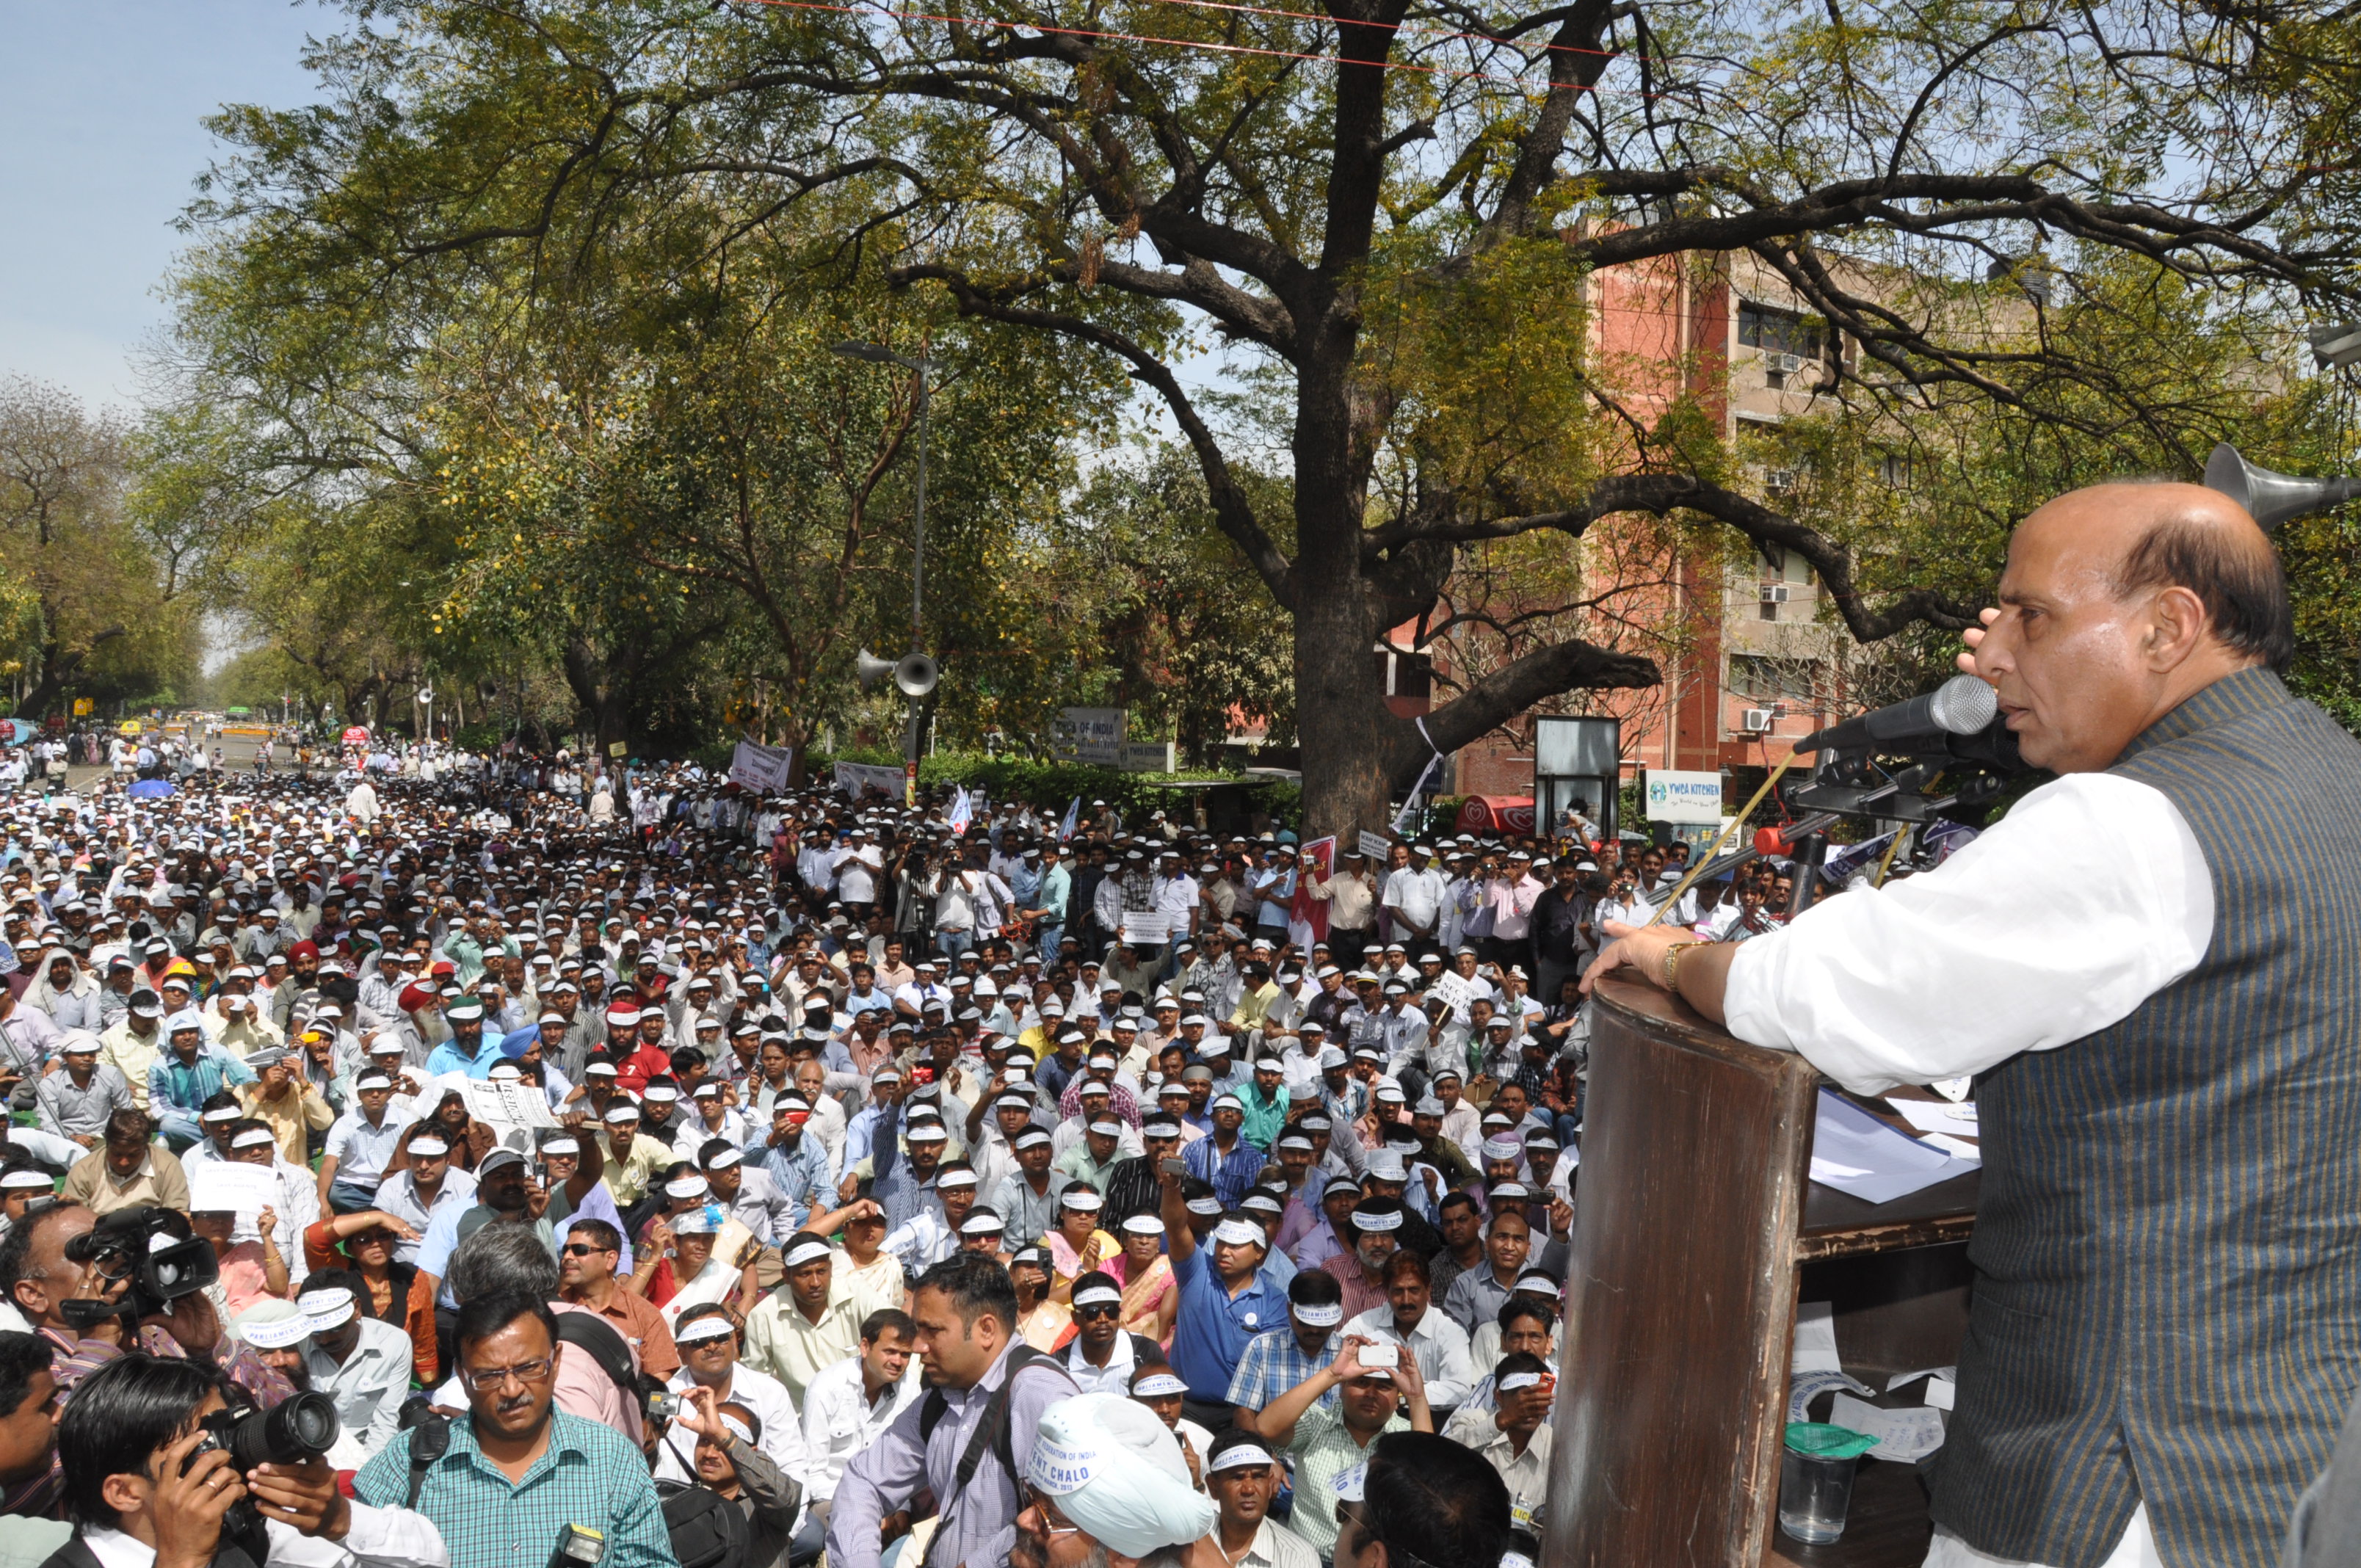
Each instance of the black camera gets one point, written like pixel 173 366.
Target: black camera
pixel 299 1428
pixel 154 1252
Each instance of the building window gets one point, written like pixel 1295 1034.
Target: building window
pixel 1763 680
pixel 1776 331
pixel 1893 468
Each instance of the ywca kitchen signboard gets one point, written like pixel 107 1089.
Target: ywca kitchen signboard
pixel 1684 797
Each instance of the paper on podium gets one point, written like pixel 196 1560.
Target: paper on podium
pixel 1855 1152
pixel 1927 1116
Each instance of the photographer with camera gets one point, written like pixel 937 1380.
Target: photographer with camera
pixel 159 1471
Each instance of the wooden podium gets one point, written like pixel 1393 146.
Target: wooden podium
pixel 1695 1234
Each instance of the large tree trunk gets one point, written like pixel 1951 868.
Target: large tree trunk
pixel 603 689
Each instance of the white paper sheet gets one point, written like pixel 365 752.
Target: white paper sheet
pixel 221 1186
pixel 1810 1386
pixel 1815 1339
pixel 1901 1379
pixel 1960 1121
pixel 1855 1152
pixel 1905 1435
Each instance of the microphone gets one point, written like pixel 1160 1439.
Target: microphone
pixel 1961 706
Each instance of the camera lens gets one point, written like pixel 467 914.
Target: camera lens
pixel 299 1428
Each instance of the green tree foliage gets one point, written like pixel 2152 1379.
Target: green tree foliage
pixel 89 604
pixel 1383 205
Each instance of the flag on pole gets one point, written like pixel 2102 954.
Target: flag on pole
pixel 1073 815
pixel 962 811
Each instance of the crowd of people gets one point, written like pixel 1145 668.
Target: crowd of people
pixel 742 1177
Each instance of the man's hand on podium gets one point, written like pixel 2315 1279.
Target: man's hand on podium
pixel 1696 972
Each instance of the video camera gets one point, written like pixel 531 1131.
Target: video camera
pixel 154 1252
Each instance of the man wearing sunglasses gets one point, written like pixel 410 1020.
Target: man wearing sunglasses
pixel 516 1470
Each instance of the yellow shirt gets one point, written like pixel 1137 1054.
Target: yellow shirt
pixel 628 1179
pixel 290 1117
pixel 781 1342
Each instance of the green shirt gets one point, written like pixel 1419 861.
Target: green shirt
pixel 589 1476
pixel 1323 1450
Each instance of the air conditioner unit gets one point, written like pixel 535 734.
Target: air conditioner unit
pixel 1779 481
pixel 1784 364
pixel 1775 593
pixel 1758 720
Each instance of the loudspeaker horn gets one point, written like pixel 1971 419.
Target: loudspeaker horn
pixel 2272 499
pixel 871 669
pixel 916 674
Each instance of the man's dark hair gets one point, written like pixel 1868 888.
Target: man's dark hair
pixel 1516 1306
pixel 1403 1263
pixel 119 1416
pixel 885 1320
pixel 1435 1501
pixel 976 1285
pixel 1519 1361
pixel 129 1125
pixel 339 1279
pixel 490 1313
pixel 21 1355
pixel 16 1249
pixel 2238 579
pixel 598 1234
pixel 1314 1288
pixel 220 1100
pixel 1456 1199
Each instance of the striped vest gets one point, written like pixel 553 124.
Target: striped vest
pixel 2166 1303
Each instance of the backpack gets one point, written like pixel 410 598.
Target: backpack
pixel 708 1530
pixel 596 1338
pixel 991 1432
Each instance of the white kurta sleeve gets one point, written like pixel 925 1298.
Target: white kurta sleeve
pixel 2088 898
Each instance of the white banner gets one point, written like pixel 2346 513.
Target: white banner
pixel 762 769
pixel 854 777
pixel 1684 796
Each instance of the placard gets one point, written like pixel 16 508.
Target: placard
pixel 854 777
pixel 1146 927
pixel 761 768
pixel 508 1107
pixel 1375 847
pixel 226 1186
pixel 1684 796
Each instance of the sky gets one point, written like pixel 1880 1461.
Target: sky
pixel 100 104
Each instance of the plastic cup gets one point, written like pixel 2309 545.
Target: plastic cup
pixel 1815 1494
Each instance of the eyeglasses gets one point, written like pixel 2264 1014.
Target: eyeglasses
pixel 582 1249
pixel 484 1379
pixel 1102 1310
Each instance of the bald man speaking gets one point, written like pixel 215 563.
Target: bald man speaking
pixel 2153 964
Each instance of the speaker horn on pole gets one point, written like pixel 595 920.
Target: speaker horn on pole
pixel 869 669
pixel 2272 499
pixel 916 674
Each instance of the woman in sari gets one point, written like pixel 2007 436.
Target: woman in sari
pixel 1043 1323
pixel 1077 1245
pixel 1152 1297
pixel 703 1277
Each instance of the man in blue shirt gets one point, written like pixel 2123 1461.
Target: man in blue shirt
pixel 1226 1299
pixel 517 1472
pixel 1224 1159
pixel 190 1073
pixel 464 1050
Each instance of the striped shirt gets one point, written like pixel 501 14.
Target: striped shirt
pixel 1273 1364
pixel 588 1476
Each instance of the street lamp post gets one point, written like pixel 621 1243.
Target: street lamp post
pixel 877 353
